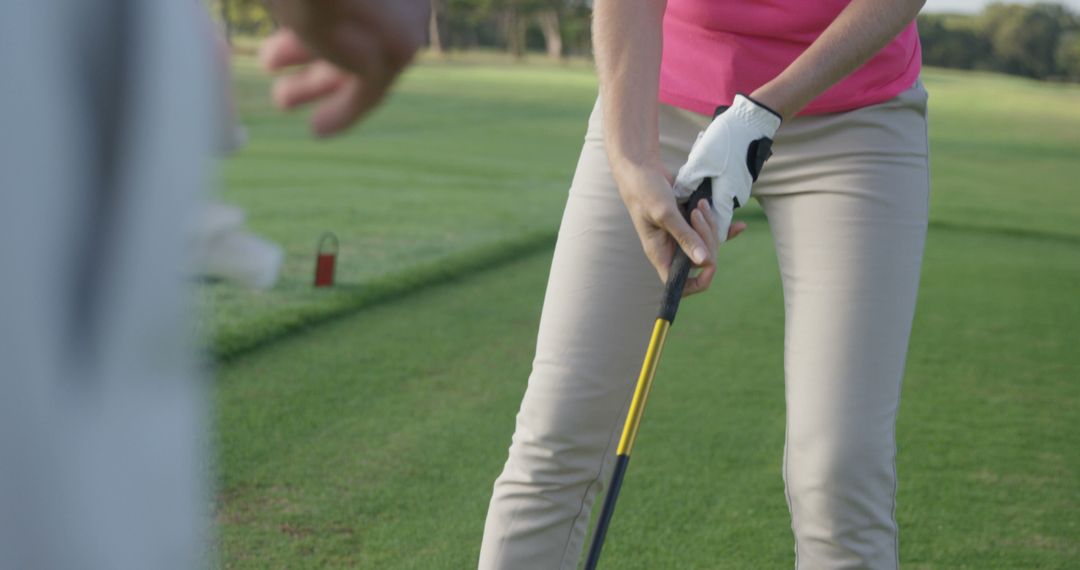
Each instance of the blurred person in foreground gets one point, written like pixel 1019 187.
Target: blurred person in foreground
pixel 106 130
pixel 832 87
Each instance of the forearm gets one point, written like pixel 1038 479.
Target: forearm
pixel 857 34
pixel 627 38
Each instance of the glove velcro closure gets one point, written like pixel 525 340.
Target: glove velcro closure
pixel 759 151
pixel 758 116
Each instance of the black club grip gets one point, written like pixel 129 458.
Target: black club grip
pixel 681 264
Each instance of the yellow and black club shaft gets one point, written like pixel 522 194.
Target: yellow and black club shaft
pixel 680 270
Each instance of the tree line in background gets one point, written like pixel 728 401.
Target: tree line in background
pixel 555 27
pixel 558 28
pixel 1039 40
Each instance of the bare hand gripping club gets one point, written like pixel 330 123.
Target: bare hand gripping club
pixel 669 305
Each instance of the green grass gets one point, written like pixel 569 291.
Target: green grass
pixel 469 156
pixel 1004 151
pixel 464 157
pixel 372 441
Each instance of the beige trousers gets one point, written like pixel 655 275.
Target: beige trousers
pixel 846 199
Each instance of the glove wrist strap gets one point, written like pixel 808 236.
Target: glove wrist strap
pixel 762 105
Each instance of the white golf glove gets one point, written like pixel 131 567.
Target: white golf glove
pixel 730 151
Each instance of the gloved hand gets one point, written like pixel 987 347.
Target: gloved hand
pixel 731 151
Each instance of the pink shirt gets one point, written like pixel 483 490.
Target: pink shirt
pixel 714 49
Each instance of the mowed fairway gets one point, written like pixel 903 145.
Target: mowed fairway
pixel 466 158
pixel 372 441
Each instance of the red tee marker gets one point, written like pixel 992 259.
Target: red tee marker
pixel 325 259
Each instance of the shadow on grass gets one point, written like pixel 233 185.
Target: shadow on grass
pixel 346 300
pixel 349 299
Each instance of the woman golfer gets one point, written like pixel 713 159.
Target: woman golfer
pixel 835 85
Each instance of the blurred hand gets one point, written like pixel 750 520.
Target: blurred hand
pixel 660 225
pixel 347 53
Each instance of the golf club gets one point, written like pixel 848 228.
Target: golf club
pixel 680 270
